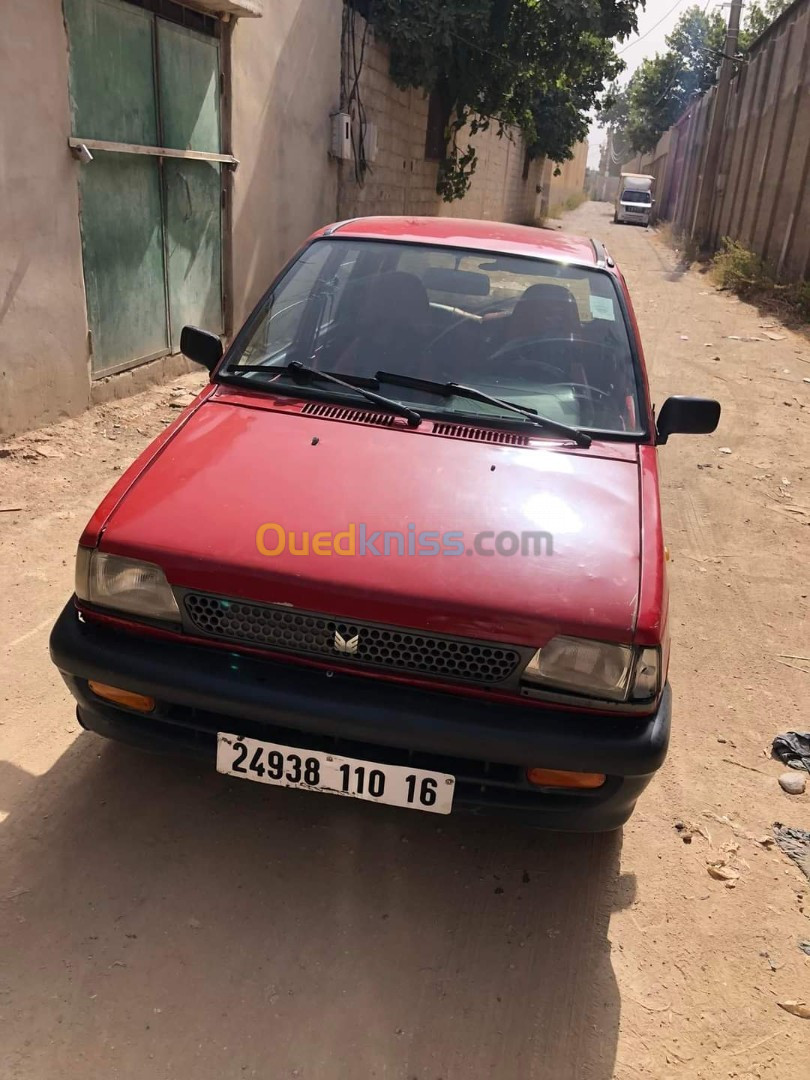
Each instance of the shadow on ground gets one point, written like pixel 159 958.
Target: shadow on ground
pixel 168 922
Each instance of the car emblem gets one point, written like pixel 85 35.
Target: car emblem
pixel 346 645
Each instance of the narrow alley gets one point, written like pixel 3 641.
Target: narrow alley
pixel 161 921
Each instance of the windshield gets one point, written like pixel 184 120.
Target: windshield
pixel 542 335
pixel 637 196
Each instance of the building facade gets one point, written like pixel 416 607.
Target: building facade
pixel 160 162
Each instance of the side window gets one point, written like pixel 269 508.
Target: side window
pixel 281 322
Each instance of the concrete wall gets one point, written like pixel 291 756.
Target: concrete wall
pixel 44 359
pixel 401 181
pixel 557 189
pixel 498 191
pixel 762 189
pixel 285 83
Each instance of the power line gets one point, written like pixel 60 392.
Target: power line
pixel 648 32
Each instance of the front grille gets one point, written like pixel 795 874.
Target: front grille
pixel 366 644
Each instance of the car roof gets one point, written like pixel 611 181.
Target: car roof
pixel 495 236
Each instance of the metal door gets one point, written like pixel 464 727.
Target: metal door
pixel 188 77
pixel 145 101
pixel 112 85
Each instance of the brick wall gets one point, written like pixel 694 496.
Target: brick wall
pixel 401 181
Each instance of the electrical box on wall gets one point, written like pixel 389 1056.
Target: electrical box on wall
pixel 341 147
pixel 370 141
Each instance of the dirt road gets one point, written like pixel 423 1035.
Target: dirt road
pixel 163 923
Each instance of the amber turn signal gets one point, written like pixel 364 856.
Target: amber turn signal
pixel 560 779
pixel 127 698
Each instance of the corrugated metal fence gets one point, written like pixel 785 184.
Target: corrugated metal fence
pixel 762 189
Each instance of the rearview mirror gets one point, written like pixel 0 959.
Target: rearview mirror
pixel 463 282
pixel 687 416
pixel 201 346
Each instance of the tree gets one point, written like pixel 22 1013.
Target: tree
pixel 758 18
pixel 699 40
pixel 559 120
pixel 660 88
pixel 537 64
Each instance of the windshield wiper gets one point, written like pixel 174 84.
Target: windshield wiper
pixel 357 385
pixel 413 417
pixel 451 389
pixel 354 381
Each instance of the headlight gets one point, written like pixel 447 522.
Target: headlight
pixel 126 585
pixel 595 669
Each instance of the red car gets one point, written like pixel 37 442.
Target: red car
pixel 406 544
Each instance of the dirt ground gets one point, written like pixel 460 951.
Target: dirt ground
pixel 161 922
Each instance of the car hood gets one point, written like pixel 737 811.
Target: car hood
pixel 197 508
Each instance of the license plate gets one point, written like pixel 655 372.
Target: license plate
pixel 287 766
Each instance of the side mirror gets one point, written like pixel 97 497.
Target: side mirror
pixel 687 416
pixel 201 347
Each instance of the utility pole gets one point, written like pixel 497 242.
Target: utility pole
pixel 605 168
pixel 701 224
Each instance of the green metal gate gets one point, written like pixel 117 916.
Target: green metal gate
pixel 145 99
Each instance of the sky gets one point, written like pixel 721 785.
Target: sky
pixel 649 40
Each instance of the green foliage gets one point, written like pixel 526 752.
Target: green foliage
pixel 655 100
pixel 738 269
pixel 747 274
pixel 802 299
pixel 661 87
pixel 559 117
pixel 758 18
pixel 537 64
pixel 456 172
pixel 698 40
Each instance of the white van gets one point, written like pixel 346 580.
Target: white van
pixel 634 201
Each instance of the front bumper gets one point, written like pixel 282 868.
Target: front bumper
pixel 628 217
pixel 487 745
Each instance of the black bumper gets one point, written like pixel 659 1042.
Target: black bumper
pixel 486 745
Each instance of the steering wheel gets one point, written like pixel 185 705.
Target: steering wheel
pixel 434 361
pixel 584 394
pixel 585 389
pixel 520 350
